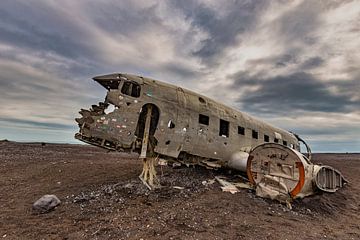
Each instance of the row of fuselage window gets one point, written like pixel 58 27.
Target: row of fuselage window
pixel 225 125
pixel 133 89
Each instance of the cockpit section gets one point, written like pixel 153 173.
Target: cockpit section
pixel 116 82
pixel 122 89
pixel 111 124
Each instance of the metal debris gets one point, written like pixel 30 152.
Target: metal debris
pixel 227 186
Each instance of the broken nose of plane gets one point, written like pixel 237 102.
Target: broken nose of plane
pixel 111 81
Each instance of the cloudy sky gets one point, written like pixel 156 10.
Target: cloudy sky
pixel 295 64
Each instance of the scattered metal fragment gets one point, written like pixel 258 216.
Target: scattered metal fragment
pixel 162 162
pixel 245 185
pixel 208 182
pixel 227 186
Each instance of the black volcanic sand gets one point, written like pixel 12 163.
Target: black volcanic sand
pixel 102 198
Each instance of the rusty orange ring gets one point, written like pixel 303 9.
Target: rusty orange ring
pixel 301 181
pixel 248 170
pixel 298 186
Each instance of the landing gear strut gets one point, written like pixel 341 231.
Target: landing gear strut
pixel 148 175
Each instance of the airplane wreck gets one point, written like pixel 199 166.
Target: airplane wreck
pixel 160 121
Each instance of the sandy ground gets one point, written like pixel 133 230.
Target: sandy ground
pixel 102 198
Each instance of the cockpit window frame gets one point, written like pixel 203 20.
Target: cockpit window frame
pixel 130 89
pixel 110 84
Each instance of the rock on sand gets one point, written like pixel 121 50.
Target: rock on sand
pixel 46 203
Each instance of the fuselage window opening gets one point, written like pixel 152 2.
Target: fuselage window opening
pixel 135 92
pixel 131 89
pixel 276 140
pixel 284 143
pixel 112 84
pixel 266 138
pixel 241 130
pixel 255 134
pixel 201 100
pixel 203 119
pixel 224 128
pixel 171 124
pixel 126 88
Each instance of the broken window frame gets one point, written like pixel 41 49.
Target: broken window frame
pixel 135 90
pixel 224 128
pixel 266 138
pixel 202 100
pixel 129 91
pixel 110 84
pixel 204 119
pixel 241 130
pixel 255 134
pixel 126 90
pixel 171 124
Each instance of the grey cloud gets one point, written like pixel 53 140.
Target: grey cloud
pixel 123 19
pixel 222 30
pixel 43 30
pixel 277 61
pixel 298 91
pixel 324 131
pixel 299 24
pixel 312 63
pixel 180 70
pixel 287 59
pixel 42 125
pixel 10 84
pixel 284 60
pixel 19 31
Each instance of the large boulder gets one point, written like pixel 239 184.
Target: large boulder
pixel 46 203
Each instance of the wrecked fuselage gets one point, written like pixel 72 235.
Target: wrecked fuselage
pixel 156 119
pixel 184 125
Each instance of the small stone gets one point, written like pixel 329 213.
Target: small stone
pixel 128 185
pixel 46 203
